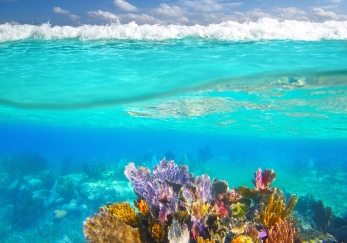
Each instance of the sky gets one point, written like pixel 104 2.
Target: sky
pixel 165 12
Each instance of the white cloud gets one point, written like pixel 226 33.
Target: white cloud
pixel 291 13
pixel 334 1
pixel 322 15
pixel 74 17
pixel 125 18
pixel 252 15
pixel 140 19
pixel 217 18
pixel 328 6
pixel 166 10
pixel 124 6
pixel 104 15
pixel 59 10
pixel 207 5
pixel 172 13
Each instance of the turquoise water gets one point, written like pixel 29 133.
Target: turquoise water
pixel 224 86
pixel 260 98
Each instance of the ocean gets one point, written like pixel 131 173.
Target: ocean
pixel 78 104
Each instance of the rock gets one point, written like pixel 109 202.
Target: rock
pixel 105 191
pixel 33 183
pixel 74 209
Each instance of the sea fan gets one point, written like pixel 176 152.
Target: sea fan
pixel 204 187
pixel 169 171
pixel 166 200
pixel 142 181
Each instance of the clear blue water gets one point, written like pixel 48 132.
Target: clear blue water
pixel 256 100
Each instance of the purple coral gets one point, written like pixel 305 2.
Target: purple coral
pixel 169 171
pixel 165 199
pixel 155 193
pixel 141 179
pixel 204 187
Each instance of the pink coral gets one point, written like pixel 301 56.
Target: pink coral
pixel 263 179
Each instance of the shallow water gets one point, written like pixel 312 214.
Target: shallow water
pixel 225 99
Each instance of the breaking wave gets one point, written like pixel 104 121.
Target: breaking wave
pixel 263 29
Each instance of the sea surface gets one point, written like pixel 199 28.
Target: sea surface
pixel 77 104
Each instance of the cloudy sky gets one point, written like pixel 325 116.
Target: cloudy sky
pixel 184 12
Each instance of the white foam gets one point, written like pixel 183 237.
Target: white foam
pixel 263 29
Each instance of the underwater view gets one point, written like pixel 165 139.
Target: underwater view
pixel 227 132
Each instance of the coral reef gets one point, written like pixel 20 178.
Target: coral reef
pixel 174 206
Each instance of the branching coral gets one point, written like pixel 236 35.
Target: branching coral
pixel 263 179
pixel 253 233
pixel 282 232
pixel 275 209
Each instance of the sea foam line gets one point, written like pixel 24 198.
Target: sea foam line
pixel 263 29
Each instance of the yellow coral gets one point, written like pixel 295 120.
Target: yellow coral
pixel 239 210
pixel 242 239
pixel 238 227
pixel 275 209
pixel 199 209
pixel 122 211
pixel 105 227
pixel 157 233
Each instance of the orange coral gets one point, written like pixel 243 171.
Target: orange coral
pixel 142 206
pixel 275 209
pixel 282 232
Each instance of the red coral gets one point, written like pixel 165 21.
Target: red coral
pixel 263 179
pixel 223 212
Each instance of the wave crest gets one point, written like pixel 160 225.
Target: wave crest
pixel 263 29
